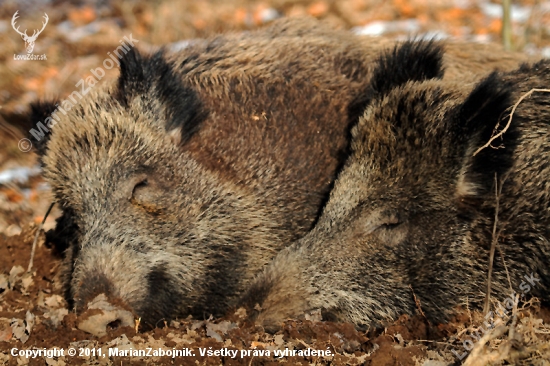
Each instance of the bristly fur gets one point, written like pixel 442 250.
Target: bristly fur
pixel 182 180
pixel 173 228
pixel 153 78
pixel 39 111
pixel 410 61
pixel 483 115
pixel 395 224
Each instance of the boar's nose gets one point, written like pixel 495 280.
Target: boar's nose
pixel 99 312
pixel 88 289
pixel 101 316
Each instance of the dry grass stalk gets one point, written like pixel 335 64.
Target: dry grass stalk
pixel 38 231
pixel 527 343
pixel 498 190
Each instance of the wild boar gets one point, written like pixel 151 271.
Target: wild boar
pixel 183 179
pixel 412 213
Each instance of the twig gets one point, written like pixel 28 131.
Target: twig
pixel 493 246
pixel 435 342
pixel 417 302
pixel 500 251
pixel 514 319
pixel 477 357
pixel 37 234
pixel 137 323
pixel 504 262
pixel 493 138
pixel 469 312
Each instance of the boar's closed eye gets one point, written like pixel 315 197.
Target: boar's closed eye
pixel 392 229
pixel 390 222
pixel 390 226
pixel 141 184
pixel 145 196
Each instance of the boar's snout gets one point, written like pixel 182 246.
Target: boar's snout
pixel 90 288
pixel 142 283
pixel 101 315
pixel 98 310
pixel 112 272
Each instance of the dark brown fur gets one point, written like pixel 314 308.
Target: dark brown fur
pixel 184 178
pixel 412 212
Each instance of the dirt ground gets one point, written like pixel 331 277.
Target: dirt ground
pixel 33 314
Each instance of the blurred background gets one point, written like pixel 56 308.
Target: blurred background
pixel 79 34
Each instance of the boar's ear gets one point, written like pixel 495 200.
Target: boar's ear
pixel 40 131
pixel 132 80
pixel 410 61
pixel 154 79
pixel 481 116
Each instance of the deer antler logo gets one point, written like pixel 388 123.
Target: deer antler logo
pixel 29 41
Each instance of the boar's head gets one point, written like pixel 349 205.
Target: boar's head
pixel 410 220
pixel 143 222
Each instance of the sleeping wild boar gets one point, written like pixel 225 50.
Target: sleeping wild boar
pixel 183 179
pixel 413 209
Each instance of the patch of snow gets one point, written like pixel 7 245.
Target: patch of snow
pixel 379 28
pixel 269 14
pixel 19 175
pixel 181 45
pixel 519 13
